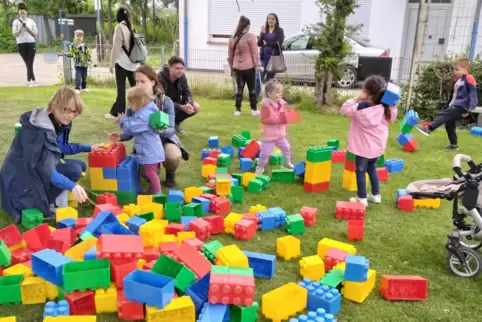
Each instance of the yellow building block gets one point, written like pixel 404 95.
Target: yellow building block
pixel 71 318
pixel 192 192
pixel 231 256
pixel 64 213
pixel 359 291
pixel 325 244
pixel 51 291
pixel 317 172
pixel 9 319
pixel 288 247
pixel 349 180
pixel 257 208
pixel 170 238
pixel 144 199
pixel 131 209
pixel 97 181
pixel 18 269
pixel 183 235
pixel 52 228
pixel 427 203
pixel 276 150
pixel 180 309
pixel 230 220
pixel 22 244
pixel 208 169
pixel 312 267
pixel 106 300
pixel 33 290
pixel 123 218
pixel 77 252
pixel 156 208
pixel 71 200
pixel 340 266
pixel 223 187
pixel 248 176
pixel 151 232
pixel 283 302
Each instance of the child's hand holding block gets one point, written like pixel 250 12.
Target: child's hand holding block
pixel 159 120
pixel 292 116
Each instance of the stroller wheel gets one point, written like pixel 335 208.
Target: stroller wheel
pixel 471 265
pixel 472 243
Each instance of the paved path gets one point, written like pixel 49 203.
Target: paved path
pixel 14 73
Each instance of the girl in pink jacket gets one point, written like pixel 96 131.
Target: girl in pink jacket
pixel 368 134
pixel 273 126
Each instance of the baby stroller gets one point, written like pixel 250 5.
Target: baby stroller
pixel 466 187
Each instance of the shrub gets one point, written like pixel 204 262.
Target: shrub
pixel 7 40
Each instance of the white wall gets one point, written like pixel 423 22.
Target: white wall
pixel 460 36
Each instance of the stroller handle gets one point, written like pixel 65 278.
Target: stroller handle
pixel 458 159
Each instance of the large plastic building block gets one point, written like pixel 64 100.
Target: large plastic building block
pixel 319 315
pixel 135 223
pixel 217 223
pixel 11 236
pixel 208 169
pixel 115 247
pixel 204 204
pixel 283 302
pixel 190 257
pixel 98 182
pixel 129 310
pixel 349 180
pixel 475 130
pixel 325 244
pixel 229 150
pixel 317 172
pixel 350 210
pixel 109 173
pixel 10 289
pixel 152 232
pixel 64 213
pixel 392 95
pixel 409 121
pixel 61 308
pixel 5 254
pixel 316 187
pixel 192 192
pixel 338 156
pixel 267 220
pixel 32 218
pixel 36 237
pixel 201 228
pixel 179 309
pixel 105 207
pixel 213 141
pixel 359 291
pixel 159 120
pixel 295 224
pixel 309 215
pixel 246 178
pixel 279 216
pixel 312 267
pixel 283 175
pixel 172 211
pixel 318 154
pixel 149 288
pixel 288 247
pixel 427 203
pixel 223 160
pixel 333 257
pixel 128 176
pixel 251 150
pixel 241 313
pixel 106 300
pixel 109 158
pixel 245 229
pixel 246 164
pixel 199 291
pixel 120 269
pixel 263 265
pixel 382 174
pixel 333 143
pixel 33 290
pixel 355 229
pixel 400 193
pixel 106 198
pixel 210 249
pixel 77 252
pixel 394 165
pixel 81 303
pixel 404 288
pixel 404 138
pixel 231 289
pixel 238 194
pixel 321 296
pixel 410 145
pixel 223 187
pixel 356 268
pixel 238 140
pixel 406 203
pixel 102 218
pixel 174 229
pixel 48 264
pixel 182 236
pixel 333 278
pixel 220 205
pixel 300 169
pixel 350 165
pixel 214 312
pixel 231 256
pixel 18 269
pixel 183 276
pixel 20 255
pixel 86 275
pixel 195 243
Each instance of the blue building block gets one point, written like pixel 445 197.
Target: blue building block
pixel 228 150
pixel 394 165
pixel 333 148
pixel 66 223
pixel 213 141
pixel 214 312
pixel 186 220
pixel 109 173
pixel 239 152
pixel 134 223
pixel 234 182
pixel 356 268
pixel 392 95
pixel 400 192
pixel 128 175
pixel 321 296
pixel 199 291
pixel 56 309
pixel 411 118
pixel 280 216
pixel 175 196
pixel 205 203
pixel 477 131
pixel 267 220
pixel 319 316
pixel 48 264
pixel 245 164
pixel 91 254
pixel 263 265
pixel 404 138
pixel 115 228
pixel 300 169
pixel 149 288
pixel 104 217
pixel 205 153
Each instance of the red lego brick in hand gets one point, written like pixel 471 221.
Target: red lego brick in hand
pixel 209 160
pixel 107 207
pixel 333 257
pixel 151 253
pixel 190 257
pixel 309 215
pixel 37 237
pixel 350 210
pixel 208 196
pixel 411 145
pixel 404 288
pixel 355 229
pixel 21 255
pixel 109 158
pixel 350 165
pixel 168 247
pixel 382 174
pixel 406 203
pixel 293 116
pixel 245 229
pixel 317 187
pixel 10 235
pixel 115 247
pixel 338 156
pixel 174 228
pixel 120 269
pixel 107 197
pixel 217 224
pixel 251 150
pixel 201 228
pixel 81 303
pixel 231 289
pixel 214 154
pixel 194 242
pixel 127 310
pixel 220 205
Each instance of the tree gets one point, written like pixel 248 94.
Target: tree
pixel 331 44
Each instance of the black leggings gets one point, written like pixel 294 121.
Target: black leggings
pixel 246 77
pixel 27 50
pixel 120 79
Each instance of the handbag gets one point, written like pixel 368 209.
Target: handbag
pixel 276 64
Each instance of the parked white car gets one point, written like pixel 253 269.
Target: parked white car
pixel 300 57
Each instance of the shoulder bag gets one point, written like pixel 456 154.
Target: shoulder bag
pixel 276 64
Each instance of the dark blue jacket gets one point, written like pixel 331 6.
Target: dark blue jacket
pixel 466 96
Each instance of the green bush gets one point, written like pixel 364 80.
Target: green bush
pixel 7 40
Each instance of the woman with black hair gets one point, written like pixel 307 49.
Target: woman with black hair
pixel 120 61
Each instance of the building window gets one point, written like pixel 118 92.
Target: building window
pixel 432 1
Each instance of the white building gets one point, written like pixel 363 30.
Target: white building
pixel 206 25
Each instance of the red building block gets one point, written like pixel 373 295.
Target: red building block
pixel 117 247
pixel 57 245
pixel 151 253
pixel 245 229
pixel 309 215
pixel 231 289
pixel 350 165
pixel 201 228
pixel 109 158
pixel 82 222
pixel 251 217
pixel 195 243
pixel 217 224
pixel 28 264
pixel 120 269
pixel 292 116
pixel 208 196
pixel 173 229
pixel 355 229
pixel 193 259
pixel 406 203
pixel 382 174
pixel 209 160
pixel 251 150
pixel 166 248
pixel 148 266
pixel 107 197
pixel 211 185
pixel 21 255
pixel 338 156
pixel 411 145
pixel 317 187
pixel 107 207
pixel 67 235
pixel 214 154
pixel 349 210
pixel 404 288
pixel 333 257
pixel 10 235
pixel 220 205
pixel 127 310
pixel 37 237
pixel 81 303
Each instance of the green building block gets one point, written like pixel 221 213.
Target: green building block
pixel 159 120
pixel 283 175
pixel 238 194
pixel 159 198
pixel 193 209
pixel 224 160
pixel 5 255
pixel 255 163
pixel 319 154
pixel 276 159
pixel 238 140
pixel 255 185
pixel 238 176
pixel 246 135
pixel 123 197
pixel 92 274
pixel 227 270
pixel 405 128
pixel 17 127
pixel 206 189
pixel 10 289
pixel 147 215
pixel 241 313
pixel 84 236
pixel 334 142
pixel 210 249
pixel 350 156
pixel 333 278
pixel 183 276
pixel 295 224
pixel 32 218
pixel 381 161
pixel 230 197
pixel 221 170
pixel 265 179
pixel 61 291
pixel 172 211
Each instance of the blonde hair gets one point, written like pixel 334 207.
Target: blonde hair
pixel 462 62
pixel 137 98
pixel 271 86
pixel 79 31
pixel 61 100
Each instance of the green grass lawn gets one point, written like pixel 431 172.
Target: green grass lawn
pixel 395 242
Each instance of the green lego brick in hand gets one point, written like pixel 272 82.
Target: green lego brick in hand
pixel 159 120
pixel 319 154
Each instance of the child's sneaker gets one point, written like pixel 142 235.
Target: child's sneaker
pixel 288 165
pixel 85 90
pixel 424 130
pixel 77 91
pixel 360 200
pixel 237 113
pixel 374 198
pixel 452 147
pixel 254 112
pixel 259 171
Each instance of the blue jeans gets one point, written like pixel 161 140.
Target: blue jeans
pixel 263 74
pixel 72 169
pixel 80 77
pixel 364 165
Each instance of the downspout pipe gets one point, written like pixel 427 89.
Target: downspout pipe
pixel 186 34
pixel 475 30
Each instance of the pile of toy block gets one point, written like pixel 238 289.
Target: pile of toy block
pixel 406 202
pixel 405 138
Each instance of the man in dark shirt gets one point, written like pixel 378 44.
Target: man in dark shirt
pixel 174 81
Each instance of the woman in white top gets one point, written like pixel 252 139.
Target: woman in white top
pixel 25 30
pixel 120 61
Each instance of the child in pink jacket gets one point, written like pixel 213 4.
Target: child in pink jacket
pixel 273 128
pixel 368 134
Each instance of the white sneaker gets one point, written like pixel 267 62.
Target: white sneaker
pixel 77 91
pixel 237 113
pixel 360 200
pixel 85 90
pixel 30 84
pixel 109 116
pixel 254 113
pixel 374 198
pixel 34 84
